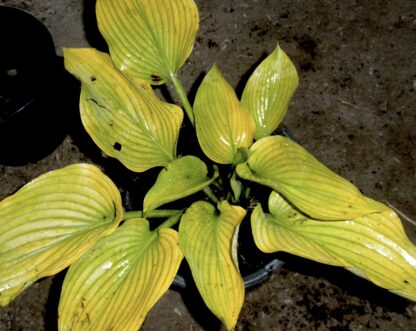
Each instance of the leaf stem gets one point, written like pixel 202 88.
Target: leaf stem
pixel 208 192
pixel 183 98
pixel 152 214
pixel 171 221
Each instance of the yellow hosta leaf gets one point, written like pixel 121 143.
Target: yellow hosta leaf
pixel 317 191
pixel 127 121
pixel 120 279
pixel 208 242
pixel 223 126
pixel 148 40
pixel 49 223
pixel 268 92
pixel 181 178
pixel 373 246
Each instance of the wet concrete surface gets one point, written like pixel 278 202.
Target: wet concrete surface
pixel 354 110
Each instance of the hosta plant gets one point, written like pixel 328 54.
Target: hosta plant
pixel 122 261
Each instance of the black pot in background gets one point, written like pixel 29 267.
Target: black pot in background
pixel 33 105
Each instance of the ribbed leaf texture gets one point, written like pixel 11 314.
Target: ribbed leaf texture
pixel 373 246
pixel 149 40
pixel 119 280
pixel 49 223
pixel 126 120
pixel 222 125
pixel 208 241
pixel 181 178
pixel 286 167
pixel 268 92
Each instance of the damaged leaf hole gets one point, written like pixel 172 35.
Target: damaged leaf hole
pixel 96 102
pixel 117 146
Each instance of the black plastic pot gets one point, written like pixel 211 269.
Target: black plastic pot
pixel 33 113
pixel 255 266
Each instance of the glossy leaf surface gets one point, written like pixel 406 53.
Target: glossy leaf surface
pixel 127 121
pixel 209 244
pixel 181 178
pixel 268 92
pixel 119 280
pixel 223 126
pixel 374 246
pixel 49 223
pixel 149 40
pixel 286 167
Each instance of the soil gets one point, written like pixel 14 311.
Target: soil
pixel 354 110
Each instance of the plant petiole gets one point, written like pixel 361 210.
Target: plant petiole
pixel 171 221
pixel 152 214
pixel 210 194
pixel 183 98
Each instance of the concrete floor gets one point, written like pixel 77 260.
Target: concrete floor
pixel 354 110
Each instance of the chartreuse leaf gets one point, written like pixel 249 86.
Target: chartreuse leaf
pixel 50 222
pixel 127 121
pixel 223 126
pixel 148 39
pixel 208 241
pixel 373 246
pixel 268 92
pixel 181 178
pixel 317 191
pixel 119 280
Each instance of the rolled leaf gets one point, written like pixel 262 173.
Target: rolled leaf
pixel 149 40
pixel 120 279
pixel 223 126
pixel 373 246
pixel 49 223
pixel 268 92
pixel 127 121
pixel 208 241
pixel 181 178
pixel 287 168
